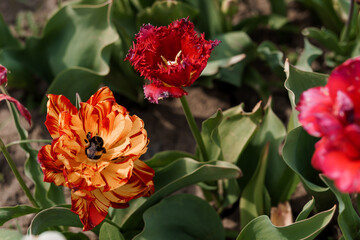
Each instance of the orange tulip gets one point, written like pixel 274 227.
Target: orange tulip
pixel 95 152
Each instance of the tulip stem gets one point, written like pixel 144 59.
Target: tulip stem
pixel 345 36
pixel 194 129
pixel 17 174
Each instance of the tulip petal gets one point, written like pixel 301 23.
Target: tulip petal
pixel 103 94
pixel 155 92
pixel 3 77
pixel 22 110
pixel 56 105
pixel 51 166
pixel 92 207
pixel 140 184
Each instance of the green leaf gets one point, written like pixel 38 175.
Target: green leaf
pixel 238 127
pixel 262 228
pixel 8 213
pixel 348 218
pixel 181 173
pixel 75 38
pixel 227 58
pixel 252 200
pixel 272 56
pixel 210 135
pixel 81 80
pixel 110 232
pixel 8 234
pixel 297 81
pixel 164 12
pixel 56 194
pixel 280 179
pixel 297 153
pixel 309 54
pixel 182 217
pixel 32 168
pixel 51 217
pixel 306 210
pixel 162 159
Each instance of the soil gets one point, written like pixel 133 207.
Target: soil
pixel 165 123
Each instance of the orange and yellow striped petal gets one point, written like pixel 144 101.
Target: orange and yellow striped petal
pixel 56 105
pixel 102 94
pixel 51 166
pixel 92 207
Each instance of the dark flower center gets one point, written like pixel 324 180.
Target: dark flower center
pixel 94 146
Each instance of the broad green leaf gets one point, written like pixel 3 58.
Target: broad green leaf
pixel 32 167
pixel 309 54
pixel 238 127
pixel 348 218
pixel 210 135
pixel 228 57
pixel 297 81
pixel 75 37
pixel 306 210
pixel 181 173
pixel 164 12
pixel 8 213
pixel 297 153
pixel 162 159
pixel 110 232
pixel 280 179
pixel 252 200
pixel 8 234
pixel 81 80
pixel 262 228
pixel 272 56
pixel 182 217
pixel 51 217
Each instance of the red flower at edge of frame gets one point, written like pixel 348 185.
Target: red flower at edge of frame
pixel 95 152
pixel 170 58
pixel 332 112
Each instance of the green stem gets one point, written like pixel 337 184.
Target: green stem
pixel 28 141
pixel 17 174
pixel 194 129
pixel 345 36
